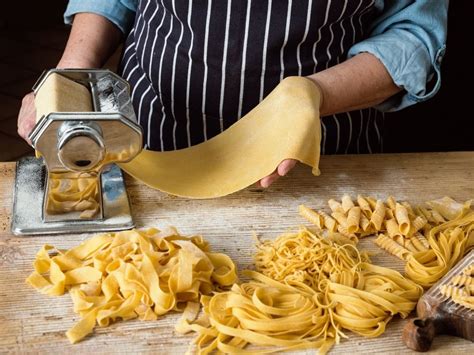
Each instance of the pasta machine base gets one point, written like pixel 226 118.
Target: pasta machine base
pixel 439 314
pixel 30 184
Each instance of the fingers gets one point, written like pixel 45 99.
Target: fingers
pixel 283 168
pixel 270 179
pixel 27 117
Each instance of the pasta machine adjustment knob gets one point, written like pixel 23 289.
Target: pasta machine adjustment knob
pixel 80 145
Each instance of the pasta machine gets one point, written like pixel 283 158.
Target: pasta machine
pixel 74 186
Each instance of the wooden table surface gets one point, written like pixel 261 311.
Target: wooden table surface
pixel 31 322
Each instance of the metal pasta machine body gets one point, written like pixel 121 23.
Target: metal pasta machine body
pixel 74 186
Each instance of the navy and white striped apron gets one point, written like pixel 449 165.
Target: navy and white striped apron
pixel 196 67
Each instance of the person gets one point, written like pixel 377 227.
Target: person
pixel 196 67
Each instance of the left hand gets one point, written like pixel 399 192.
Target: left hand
pixel 283 168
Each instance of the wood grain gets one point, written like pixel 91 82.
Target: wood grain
pixel 31 322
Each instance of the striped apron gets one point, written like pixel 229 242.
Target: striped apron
pixel 196 67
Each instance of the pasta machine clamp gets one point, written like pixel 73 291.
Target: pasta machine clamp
pixel 75 186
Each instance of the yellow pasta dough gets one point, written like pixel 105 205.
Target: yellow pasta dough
pixel 60 94
pixel 130 274
pixel 284 125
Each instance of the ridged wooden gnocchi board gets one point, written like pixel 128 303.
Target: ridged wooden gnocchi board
pixel 439 314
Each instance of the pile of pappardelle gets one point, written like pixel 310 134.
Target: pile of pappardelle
pixel 308 287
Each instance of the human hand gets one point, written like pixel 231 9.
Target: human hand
pixel 27 116
pixel 283 168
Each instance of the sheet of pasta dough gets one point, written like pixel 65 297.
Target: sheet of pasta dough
pixel 284 125
pixel 60 94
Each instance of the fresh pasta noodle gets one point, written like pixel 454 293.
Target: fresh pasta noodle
pixel 329 222
pixel 448 244
pixel 311 216
pixel 392 228
pixel 353 219
pixel 346 203
pixel 335 206
pixel 417 224
pixel 346 233
pixel 469 270
pixel 340 218
pixel 392 247
pixel 306 292
pixel 419 242
pixel 73 192
pixel 460 288
pixel 391 202
pixel 462 280
pixel 130 274
pixel 364 206
pixel 401 214
pixel 453 291
pixel 364 223
pixel 449 208
pixel 378 215
pixel 410 245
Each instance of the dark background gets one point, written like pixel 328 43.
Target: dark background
pixel 32 36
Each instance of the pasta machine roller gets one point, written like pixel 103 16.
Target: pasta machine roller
pixel 74 185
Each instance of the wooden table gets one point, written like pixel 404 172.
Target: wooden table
pixel 31 322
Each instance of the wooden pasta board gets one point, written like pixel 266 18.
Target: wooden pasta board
pixel 31 322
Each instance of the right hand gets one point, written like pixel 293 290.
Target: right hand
pixel 27 116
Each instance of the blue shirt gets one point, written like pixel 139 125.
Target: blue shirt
pixel 408 37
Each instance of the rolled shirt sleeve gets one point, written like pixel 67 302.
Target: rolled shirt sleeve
pixel 409 39
pixel 119 12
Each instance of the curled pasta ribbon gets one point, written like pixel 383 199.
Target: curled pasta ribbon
pixel 130 274
pixel 306 291
pixel 392 247
pixel 448 244
pixel 73 192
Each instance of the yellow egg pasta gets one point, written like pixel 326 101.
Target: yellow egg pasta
pixel 460 288
pixel 378 215
pixel 448 244
pixel 311 216
pixel 401 214
pixel 132 274
pixel 306 292
pixel 392 247
pixel 353 219
pixel 364 206
pixel 73 192
pixel 346 203
pixel 335 206
pixel 462 280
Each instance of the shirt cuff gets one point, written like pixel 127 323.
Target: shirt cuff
pixel 409 64
pixel 117 13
